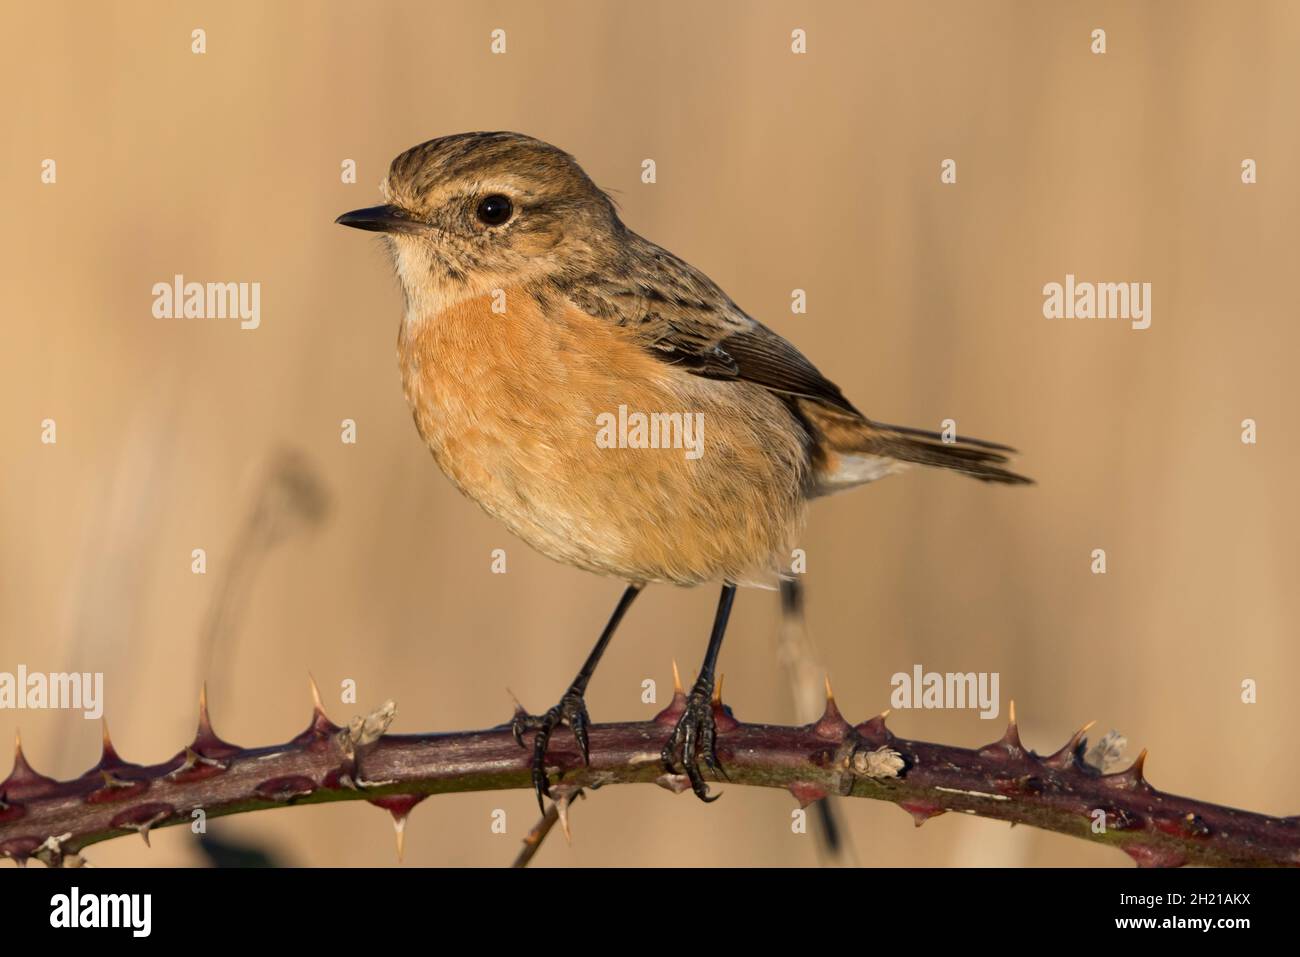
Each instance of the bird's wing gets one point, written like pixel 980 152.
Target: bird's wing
pixel 683 318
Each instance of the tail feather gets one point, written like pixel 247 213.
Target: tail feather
pixel 938 436
pixel 974 457
pixel 858 450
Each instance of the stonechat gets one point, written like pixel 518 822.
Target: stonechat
pixel 608 402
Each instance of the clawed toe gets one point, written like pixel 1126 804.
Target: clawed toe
pixel 571 711
pixel 695 736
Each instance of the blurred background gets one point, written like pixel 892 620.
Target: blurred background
pixel 775 171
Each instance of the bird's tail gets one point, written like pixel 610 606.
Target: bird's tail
pixel 974 457
pixel 853 450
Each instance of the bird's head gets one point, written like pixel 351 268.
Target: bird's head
pixel 469 213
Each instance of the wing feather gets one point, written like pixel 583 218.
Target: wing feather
pixel 683 318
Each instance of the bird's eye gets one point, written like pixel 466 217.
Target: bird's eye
pixel 495 209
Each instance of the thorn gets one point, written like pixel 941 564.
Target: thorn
pixel 1078 738
pixel 1135 771
pixel 831 724
pixel 806 792
pixel 108 756
pixel 113 782
pixel 206 742
pixel 315 694
pixel 110 761
pixel 873 730
pixel 723 719
pixel 24 780
pixel 1009 743
pixel 1012 738
pixel 1068 755
pixel 677 706
pixel 112 788
pixel 194 766
pixel 1131 777
pixel 562 812
pixel 142 818
pixel 921 811
pixel 563 798
pixel 399 806
pixel 205 723
pixel 399 830
pixel 321 727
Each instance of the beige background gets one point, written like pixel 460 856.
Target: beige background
pixel 775 171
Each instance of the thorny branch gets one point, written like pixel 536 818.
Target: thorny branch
pixel 53 821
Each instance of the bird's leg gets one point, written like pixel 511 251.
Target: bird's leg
pixel 695 733
pixel 572 709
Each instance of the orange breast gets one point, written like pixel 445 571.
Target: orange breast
pixel 519 409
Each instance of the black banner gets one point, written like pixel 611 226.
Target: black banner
pixel 305 906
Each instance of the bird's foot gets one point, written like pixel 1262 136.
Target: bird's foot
pixel 571 711
pixel 695 736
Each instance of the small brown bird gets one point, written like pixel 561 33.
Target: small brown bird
pixel 608 402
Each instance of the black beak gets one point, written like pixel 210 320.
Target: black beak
pixel 380 219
